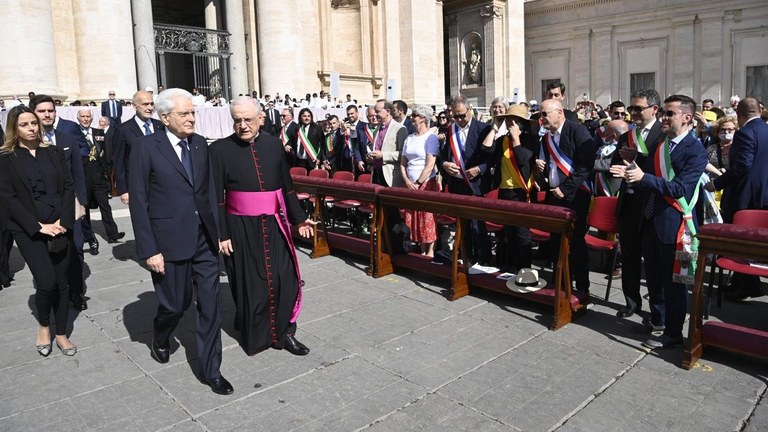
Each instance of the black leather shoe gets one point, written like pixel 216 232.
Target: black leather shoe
pixel 94 247
pixel 116 238
pixel 78 300
pixel 219 385
pixel 626 312
pixel 663 341
pixel 162 355
pixel 295 347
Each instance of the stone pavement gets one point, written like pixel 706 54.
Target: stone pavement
pixel 389 354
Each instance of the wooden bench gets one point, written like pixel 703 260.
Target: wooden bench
pixel 324 240
pixel 558 220
pixel 732 241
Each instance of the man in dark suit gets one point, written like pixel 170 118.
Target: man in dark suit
pixel 130 131
pixel 661 220
pixel 172 210
pixel 635 145
pixel 109 150
pixel 366 136
pixel 288 134
pixel 66 135
pixel 466 168
pixel 401 116
pixel 556 91
pixel 272 125
pixel 96 184
pixel 112 109
pixel 567 158
pixel 745 182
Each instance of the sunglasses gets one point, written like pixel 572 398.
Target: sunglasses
pixel 460 116
pixel 669 113
pixel 636 109
pixel 617 114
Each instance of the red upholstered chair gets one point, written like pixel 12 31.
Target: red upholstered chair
pixel 603 217
pixel 365 209
pixel 298 171
pixel 346 205
pixel 750 218
pixel 318 173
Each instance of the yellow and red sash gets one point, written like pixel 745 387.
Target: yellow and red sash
pixel 527 185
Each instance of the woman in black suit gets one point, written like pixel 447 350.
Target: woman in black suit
pixel 36 188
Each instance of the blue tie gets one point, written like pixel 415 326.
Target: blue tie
pixel 147 129
pixel 49 135
pixel 186 160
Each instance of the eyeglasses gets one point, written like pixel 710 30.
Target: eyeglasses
pixel 637 109
pixel 111 94
pixel 544 114
pixel 184 114
pixel 284 115
pixel 670 113
pixel 245 120
pixel 617 114
pixel 442 117
pixel 460 116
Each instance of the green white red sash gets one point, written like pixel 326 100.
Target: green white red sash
pixel 311 153
pixel 329 143
pixel 603 186
pixel 635 140
pixel 562 161
pixel 687 245
pixel 284 135
pixel 370 135
pixel 457 149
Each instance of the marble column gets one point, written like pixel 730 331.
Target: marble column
pixel 238 73
pixel 283 43
pixel 515 42
pixel 29 63
pixel 106 62
pixel 144 43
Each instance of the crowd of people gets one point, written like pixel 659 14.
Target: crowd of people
pixel 665 160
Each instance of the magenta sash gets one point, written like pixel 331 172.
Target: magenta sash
pixel 269 203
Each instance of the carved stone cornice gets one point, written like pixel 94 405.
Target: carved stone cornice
pixel 345 4
pixel 566 7
pixel 494 10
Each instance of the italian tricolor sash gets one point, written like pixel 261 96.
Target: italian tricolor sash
pixel 457 149
pixel 603 186
pixel 687 245
pixel 371 135
pixel 329 143
pixel 528 185
pixel 563 162
pixel 284 135
pixel 311 153
pixel 635 140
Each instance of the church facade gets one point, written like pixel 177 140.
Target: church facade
pixel 420 51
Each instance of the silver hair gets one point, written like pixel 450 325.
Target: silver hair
pixel 504 101
pixel 244 100
pixel 424 111
pixel 166 100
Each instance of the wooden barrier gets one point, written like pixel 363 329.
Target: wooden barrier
pixel 731 241
pixel 324 240
pixel 557 220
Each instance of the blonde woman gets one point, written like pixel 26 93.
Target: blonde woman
pixel 36 188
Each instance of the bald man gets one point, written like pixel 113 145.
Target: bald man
pixel 745 182
pixel 567 157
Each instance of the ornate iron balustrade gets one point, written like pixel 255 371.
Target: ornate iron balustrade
pixel 173 38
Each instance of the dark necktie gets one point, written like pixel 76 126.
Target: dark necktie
pixel 112 109
pixel 147 129
pixel 186 159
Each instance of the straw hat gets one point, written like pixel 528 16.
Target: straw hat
pixel 518 111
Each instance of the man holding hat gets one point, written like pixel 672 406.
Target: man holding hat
pixel 514 155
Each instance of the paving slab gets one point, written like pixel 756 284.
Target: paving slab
pixel 387 354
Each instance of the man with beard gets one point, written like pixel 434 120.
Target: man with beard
pixel 257 206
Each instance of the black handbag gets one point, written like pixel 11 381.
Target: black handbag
pixel 57 244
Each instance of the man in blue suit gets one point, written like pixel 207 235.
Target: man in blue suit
pixel 662 220
pixel 112 109
pixel 466 168
pixel 745 182
pixel 567 158
pixel 172 211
